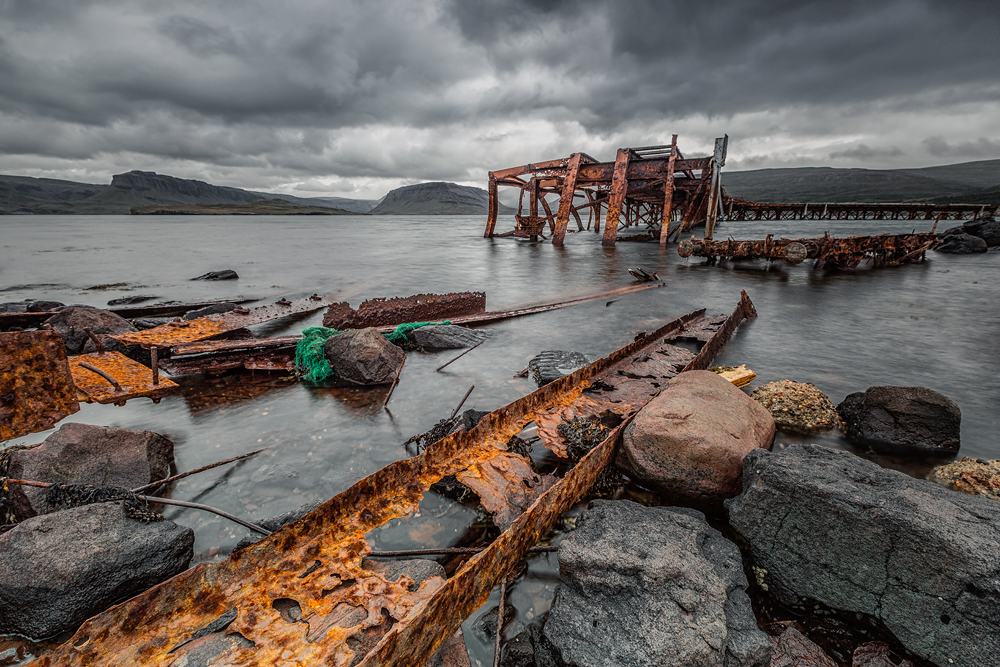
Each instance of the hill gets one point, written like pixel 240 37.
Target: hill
pixel 435 199
pixel 828 184
pixel 36 195
pixel 257 207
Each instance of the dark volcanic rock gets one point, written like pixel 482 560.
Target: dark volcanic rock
pixel 129 300
pixel 72 323
pixel 214 309
pixel 44 306
pixel 550 365
pixel 986 228
pixel 447 337
pixel 151 322
pixel 227 274
pixel 60 569
pixel 14 307
pixel 962 244
pixel 85 454
pixel 688 443
pixel 363 356
pixel 830 526
pixel 902 420
pixel 652 586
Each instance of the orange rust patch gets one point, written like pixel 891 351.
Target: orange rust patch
pixel 173 333
pixel 134 379
pixel 36 389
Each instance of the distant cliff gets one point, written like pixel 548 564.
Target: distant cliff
pixel 257 207
pixel 435 199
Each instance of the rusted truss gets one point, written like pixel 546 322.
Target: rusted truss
pixel 644 187
pixel 839 253
pixel 36 388
pixel 740 210
pixel 305 594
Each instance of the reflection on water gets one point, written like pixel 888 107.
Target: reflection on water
pixel 934 324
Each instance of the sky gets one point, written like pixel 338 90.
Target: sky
pixel 352 99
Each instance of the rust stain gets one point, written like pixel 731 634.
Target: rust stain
pixel 316 565
pixel 36 389
pixel 134 379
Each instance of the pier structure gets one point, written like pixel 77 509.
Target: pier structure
pixel 736 209
pixel 647 187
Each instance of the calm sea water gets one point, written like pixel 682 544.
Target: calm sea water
pixel 935 324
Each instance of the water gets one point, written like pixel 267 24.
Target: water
pixel 934 324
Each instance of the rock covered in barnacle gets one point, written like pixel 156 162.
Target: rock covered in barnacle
pixel 979 477
pixel 797 407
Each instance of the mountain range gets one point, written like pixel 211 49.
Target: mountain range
pixel 968 182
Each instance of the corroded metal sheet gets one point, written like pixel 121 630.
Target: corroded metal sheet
pixel 304 595
pixel 134 380
pixel 175 333
pixel 36 389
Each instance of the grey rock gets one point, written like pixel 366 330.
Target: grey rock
pixel 550 365
pixel 962 244
pixel 13 307
pixel 44 306
pixel 227 274
pixel 85 454
pixel 214 309
pixel 902 420
pixel 830 526
pixel 448 337
pixel 652 586
pixel 60 569
pixel 987 228
pixel 151 322
pixel 363 356
pixel 71 324
pixel 129 300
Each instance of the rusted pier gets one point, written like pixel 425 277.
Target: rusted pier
pixel 739 210
pixel 838 253
pixel 644 187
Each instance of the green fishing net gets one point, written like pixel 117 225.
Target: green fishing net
pixel 310 358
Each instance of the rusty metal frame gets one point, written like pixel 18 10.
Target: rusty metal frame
pixel 737 209
pixel 111 377
pixel 317 563
pixel 36 388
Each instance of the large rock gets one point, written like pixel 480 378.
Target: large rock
pixel 225 274
pixel 797 407
pixel 447 337
pixel 60 569
pixel 689 442
pixel 979 477
pixel 85 454
pixel 363 356
pixel 652 586
pixel 550 365
pixel 830 526
pixel 72 324
pixel 902 420
pixel 962 244
pixel 987 228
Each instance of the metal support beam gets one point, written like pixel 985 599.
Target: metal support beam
pixel 668 193
pixel 619 185
pixel 491 219
pixel 566 200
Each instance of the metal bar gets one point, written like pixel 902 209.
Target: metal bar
pixel 94 339
pixel 619 186
pixel 167 480
pixel 491 217
pixel 668 193
pixel 395 380
pixel 154 364
pixel 95 369
pixel 566 199
pixel 462 402
pixel 448 363
pixel 500 619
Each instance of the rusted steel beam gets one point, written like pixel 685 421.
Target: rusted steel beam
pixel 36 387
pixel 841 253
pixel 111 377
pixel 491 218
pixel 744 311
pixel 178 332
pixel 315 565
pixel 738 209
pixel 566 199
pixel 619 185
pixel 668 193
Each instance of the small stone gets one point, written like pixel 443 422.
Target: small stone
pixel 227 274
pixel 797 407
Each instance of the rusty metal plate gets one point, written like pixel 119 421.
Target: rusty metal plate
pixel 134 380
pixel 305 596
pixel 175 333
pixel 36 389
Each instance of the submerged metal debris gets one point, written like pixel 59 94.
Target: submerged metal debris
pixel 36 388
pixel 305 594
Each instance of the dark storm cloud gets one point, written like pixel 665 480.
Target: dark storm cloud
pixel 398 90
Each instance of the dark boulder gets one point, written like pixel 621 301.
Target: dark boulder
pixel 11 307
pixel 214 309
pixel 652 586
pixel 44 306
pixel 85 454
pixel 227 274
pixel 902 420
pixel 363 356
pixel 129 300
pixel 961 244
pixel 151 322
pixel 689 442
pixel 72 323
pixel 830 526
pixel 447 337
pixel 550 365
pixel 60 569
pixel 987 228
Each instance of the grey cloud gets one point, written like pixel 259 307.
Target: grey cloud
pixel 862 152
pixel 981 148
